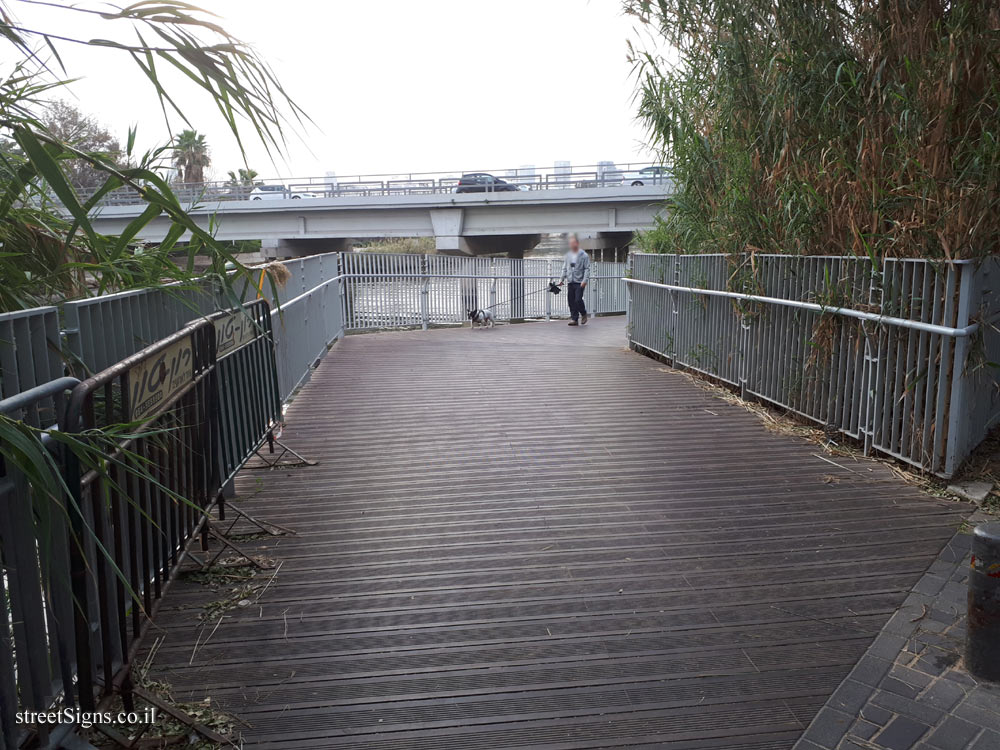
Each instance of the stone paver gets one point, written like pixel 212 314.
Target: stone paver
pixel 910 690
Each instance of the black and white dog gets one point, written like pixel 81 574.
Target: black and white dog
pixel 484 318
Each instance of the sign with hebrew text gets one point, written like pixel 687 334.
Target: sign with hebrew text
pixel 154 382
pixel 233 331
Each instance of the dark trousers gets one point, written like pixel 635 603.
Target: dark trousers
pixel 575 299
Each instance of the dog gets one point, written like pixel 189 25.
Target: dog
pixel 483 317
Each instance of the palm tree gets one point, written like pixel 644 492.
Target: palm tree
pixel 246 177
pixel 191 155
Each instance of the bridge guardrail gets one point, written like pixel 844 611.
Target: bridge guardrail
pixel 898 356
pixel 386 290
pixel 139 518
pixel 422 183
pixel 304 329
pixel 371 291
pixel 249 396
pixel 83 574
pixel 36 603
pixel 29 357
pixel 100 331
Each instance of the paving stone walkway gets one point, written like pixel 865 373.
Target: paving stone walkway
pixel 910 689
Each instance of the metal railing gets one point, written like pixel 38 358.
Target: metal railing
pixel 83 577
pixel 248 396
pixel 37 658
pixel 398 291
pixel 305 327
pixel 83 574
pixel 414 183
pixel 100 331
pixel 29 356
pixel 899 357
pixel 130 525
pixel 324 296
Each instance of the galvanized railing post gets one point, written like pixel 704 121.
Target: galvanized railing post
pixel 342 289
pixel 954 447
pixel 873 350
pixel 628 299
pixel 424 292
pixel 744 339
pixel 548 295
pixel 493 285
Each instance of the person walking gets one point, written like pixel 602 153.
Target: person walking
pixel 576 270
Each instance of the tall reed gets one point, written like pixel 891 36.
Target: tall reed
pixel 866 127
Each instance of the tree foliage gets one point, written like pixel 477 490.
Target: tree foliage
pixel 190 155
pixel 49 249
pixel 863 127
pixel 67 124
pixel 243 177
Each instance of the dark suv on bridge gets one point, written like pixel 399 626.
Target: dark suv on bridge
pixel 480 182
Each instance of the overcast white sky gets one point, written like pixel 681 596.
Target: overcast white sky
pixel 400 85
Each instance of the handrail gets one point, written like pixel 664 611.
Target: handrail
pixel 815 307
pixel 377 275
pixel 26 398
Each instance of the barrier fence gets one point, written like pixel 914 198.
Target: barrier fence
pixel 389 290
pixel 36 599
pixel 82 579
pixel 900 356
pixel 29 357
pixel 323 297
pixel 129 526
pixel 249 397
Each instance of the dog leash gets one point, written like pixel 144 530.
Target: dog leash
pixel 550 288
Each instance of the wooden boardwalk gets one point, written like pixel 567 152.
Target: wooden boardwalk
pixel 532 537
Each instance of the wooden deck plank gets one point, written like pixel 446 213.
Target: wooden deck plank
pixel 531 537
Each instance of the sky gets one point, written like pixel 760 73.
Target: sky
pixel 397 86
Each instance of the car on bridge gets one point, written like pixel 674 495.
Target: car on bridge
pixel 278 193
pixel 654 175
pixel 481 182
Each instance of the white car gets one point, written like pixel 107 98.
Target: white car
pixel 655 175
pixel 277 193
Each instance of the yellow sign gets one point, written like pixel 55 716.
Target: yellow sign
pixel 155 381
pixel 233 331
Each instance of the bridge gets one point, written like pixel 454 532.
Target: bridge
pixel 603 208
pixel 531 536
pixel 483 559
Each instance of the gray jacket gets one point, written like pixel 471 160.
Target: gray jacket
pixel 578 273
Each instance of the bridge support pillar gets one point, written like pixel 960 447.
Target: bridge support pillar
pixel 511 245
pixel 447 225
pixel 297 247
pixel 610 246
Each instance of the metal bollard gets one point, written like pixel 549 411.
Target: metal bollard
pixel 982 642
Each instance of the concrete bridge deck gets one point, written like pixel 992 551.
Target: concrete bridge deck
pixel 463 223
pixel 532 537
